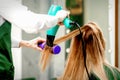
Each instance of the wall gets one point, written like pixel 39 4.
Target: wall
pixel 102 12
pixel 111 30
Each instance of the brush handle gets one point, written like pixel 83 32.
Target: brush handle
pixel 55 49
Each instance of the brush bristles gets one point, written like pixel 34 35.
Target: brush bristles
pixel 45 57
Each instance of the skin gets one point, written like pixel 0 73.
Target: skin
pixel 32 43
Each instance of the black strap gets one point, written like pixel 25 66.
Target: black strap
pixel 83 48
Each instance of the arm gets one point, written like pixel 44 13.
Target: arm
pixel 29 44
pixel 19 15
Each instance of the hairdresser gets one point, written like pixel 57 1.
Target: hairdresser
pixel 11 12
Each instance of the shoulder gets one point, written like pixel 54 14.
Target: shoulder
pixel 53 79
pixel 112 72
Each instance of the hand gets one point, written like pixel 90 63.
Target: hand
pixel 61 15
pixel 32 43
pixel 57 19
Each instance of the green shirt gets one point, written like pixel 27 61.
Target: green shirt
pixel 111 72
pixel 6 63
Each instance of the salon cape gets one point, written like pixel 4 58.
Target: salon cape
pixel 19 15
pixel 112 73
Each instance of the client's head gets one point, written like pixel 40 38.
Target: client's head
pixel 94 46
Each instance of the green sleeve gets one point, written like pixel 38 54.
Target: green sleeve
pixel 6 62
pixel 53 79
pixel 109 73
pixel 112 73
pixel 116 73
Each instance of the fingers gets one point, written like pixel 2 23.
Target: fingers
pixel 37 48
pixel 54 20
pixel 33 43
pixel 62 14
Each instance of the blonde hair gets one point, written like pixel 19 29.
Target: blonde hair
pixel 95 47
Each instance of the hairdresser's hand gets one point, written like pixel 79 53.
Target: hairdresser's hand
pixel 32 43
pixel 57 19
pixel 61 15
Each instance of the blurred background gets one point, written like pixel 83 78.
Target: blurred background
pixel 103 12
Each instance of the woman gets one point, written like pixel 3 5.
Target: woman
pixel 86 60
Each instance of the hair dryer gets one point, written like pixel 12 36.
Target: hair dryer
pixel 53 30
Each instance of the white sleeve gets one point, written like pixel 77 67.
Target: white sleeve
pixel 19 15
pixel 15 42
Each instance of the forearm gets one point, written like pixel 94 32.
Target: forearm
pixel 28 21
pixel 29 44
pixel 19 43
pixel 24 43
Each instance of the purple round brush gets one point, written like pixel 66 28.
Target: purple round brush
pixel 55 49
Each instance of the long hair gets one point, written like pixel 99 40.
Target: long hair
pixel 45 57
pixel 94 46
pixel 95 51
